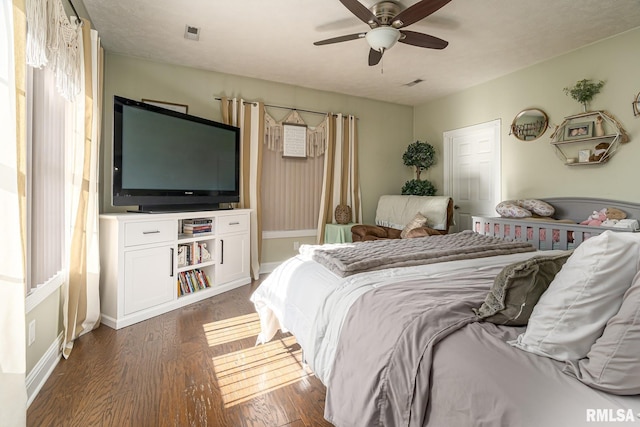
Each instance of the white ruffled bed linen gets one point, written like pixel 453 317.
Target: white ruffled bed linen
pixel 303 297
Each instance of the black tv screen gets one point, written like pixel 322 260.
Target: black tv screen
pixel 164 160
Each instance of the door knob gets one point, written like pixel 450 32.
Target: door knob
pixel 456 207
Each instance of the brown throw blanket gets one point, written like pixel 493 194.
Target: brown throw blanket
pixel 380 254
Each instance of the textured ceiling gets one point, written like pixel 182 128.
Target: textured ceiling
pixel 273 40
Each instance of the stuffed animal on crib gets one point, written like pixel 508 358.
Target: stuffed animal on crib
pixel 605 216
pixel 614 213
pixel 596 218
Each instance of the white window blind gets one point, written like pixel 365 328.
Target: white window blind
pixel 291 186
pixel 291 190
pixel 45 180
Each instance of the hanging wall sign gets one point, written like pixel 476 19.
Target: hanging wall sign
pixel 294 140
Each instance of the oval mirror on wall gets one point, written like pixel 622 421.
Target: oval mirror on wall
pixel 530 124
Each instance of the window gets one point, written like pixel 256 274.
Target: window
pixel 46 110
pixel 291 186
pixel 291 190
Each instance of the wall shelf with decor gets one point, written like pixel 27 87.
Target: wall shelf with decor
pixel 588 138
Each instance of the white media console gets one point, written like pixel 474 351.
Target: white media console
pixel 140 272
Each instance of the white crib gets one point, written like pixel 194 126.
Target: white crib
pixel 565 234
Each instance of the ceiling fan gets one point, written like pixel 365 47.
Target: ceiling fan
pixel 386 19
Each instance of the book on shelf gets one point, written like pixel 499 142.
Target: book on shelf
pixel 194 225
pixel 197 230
pixel 192 281
pixel 192 254
pixel 197 221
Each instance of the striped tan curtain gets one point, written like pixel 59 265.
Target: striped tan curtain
pixel 13 394
pixel 82 301
pixel 341 181
pixel 249 117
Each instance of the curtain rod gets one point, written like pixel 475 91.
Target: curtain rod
pixel 286 108
pixel 75 11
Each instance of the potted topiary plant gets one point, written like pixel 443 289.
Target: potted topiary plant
pixel 420 155
pixel 583 91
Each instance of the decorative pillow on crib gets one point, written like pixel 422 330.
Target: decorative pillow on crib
pixel 536 206
pixel 613 363
pixel 588 291
pixel 418 221
pixel 510 209
pixel 517 289
pixel 524 208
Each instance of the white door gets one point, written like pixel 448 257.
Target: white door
pixel 472 171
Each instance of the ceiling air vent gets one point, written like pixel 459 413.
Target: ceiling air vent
pixel 191 33
pixel 413 83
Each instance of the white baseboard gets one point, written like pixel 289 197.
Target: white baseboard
pixel 43 369
pixel 268 267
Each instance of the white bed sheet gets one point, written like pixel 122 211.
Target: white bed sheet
pixel 306 299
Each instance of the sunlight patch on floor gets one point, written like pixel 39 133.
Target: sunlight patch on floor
pixel 233 329
pixel 245 374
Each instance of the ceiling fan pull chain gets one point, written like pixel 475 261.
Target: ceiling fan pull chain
pixel 382 65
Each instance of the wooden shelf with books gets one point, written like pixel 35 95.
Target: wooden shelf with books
pixel 191 281
pixel 195 253
pixel 196 227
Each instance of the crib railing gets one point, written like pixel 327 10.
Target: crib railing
pixel 543 235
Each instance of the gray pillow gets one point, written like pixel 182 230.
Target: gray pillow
pixel 613 363
pixel 518 287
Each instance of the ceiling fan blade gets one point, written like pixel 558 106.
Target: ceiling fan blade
pixel 361 11
pixel 418 11
pixel 340 39
pixel 374 57
pixel 422 40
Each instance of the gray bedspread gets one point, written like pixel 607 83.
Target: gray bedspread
pixel 380 373
pixel 413 354
pixel 388 253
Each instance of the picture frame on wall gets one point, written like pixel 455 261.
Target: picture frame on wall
pixel 583 155
pixel 180 108
pixel 294 140
pixel 578 130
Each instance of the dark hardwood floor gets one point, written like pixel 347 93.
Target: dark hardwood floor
pixel 195 366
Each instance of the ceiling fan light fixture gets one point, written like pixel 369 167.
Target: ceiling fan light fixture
pixel 382 38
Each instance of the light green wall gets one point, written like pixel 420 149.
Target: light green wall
pixel 48 317
pixel 385 129
pixel 532 169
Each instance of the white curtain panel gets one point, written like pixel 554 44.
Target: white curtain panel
pixel 254 189
pixel 81 290
pixel 13 395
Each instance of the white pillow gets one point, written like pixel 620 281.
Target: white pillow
pixel 613 363
pixel 572 313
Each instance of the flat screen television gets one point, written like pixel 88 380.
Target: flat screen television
pixel 164 160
